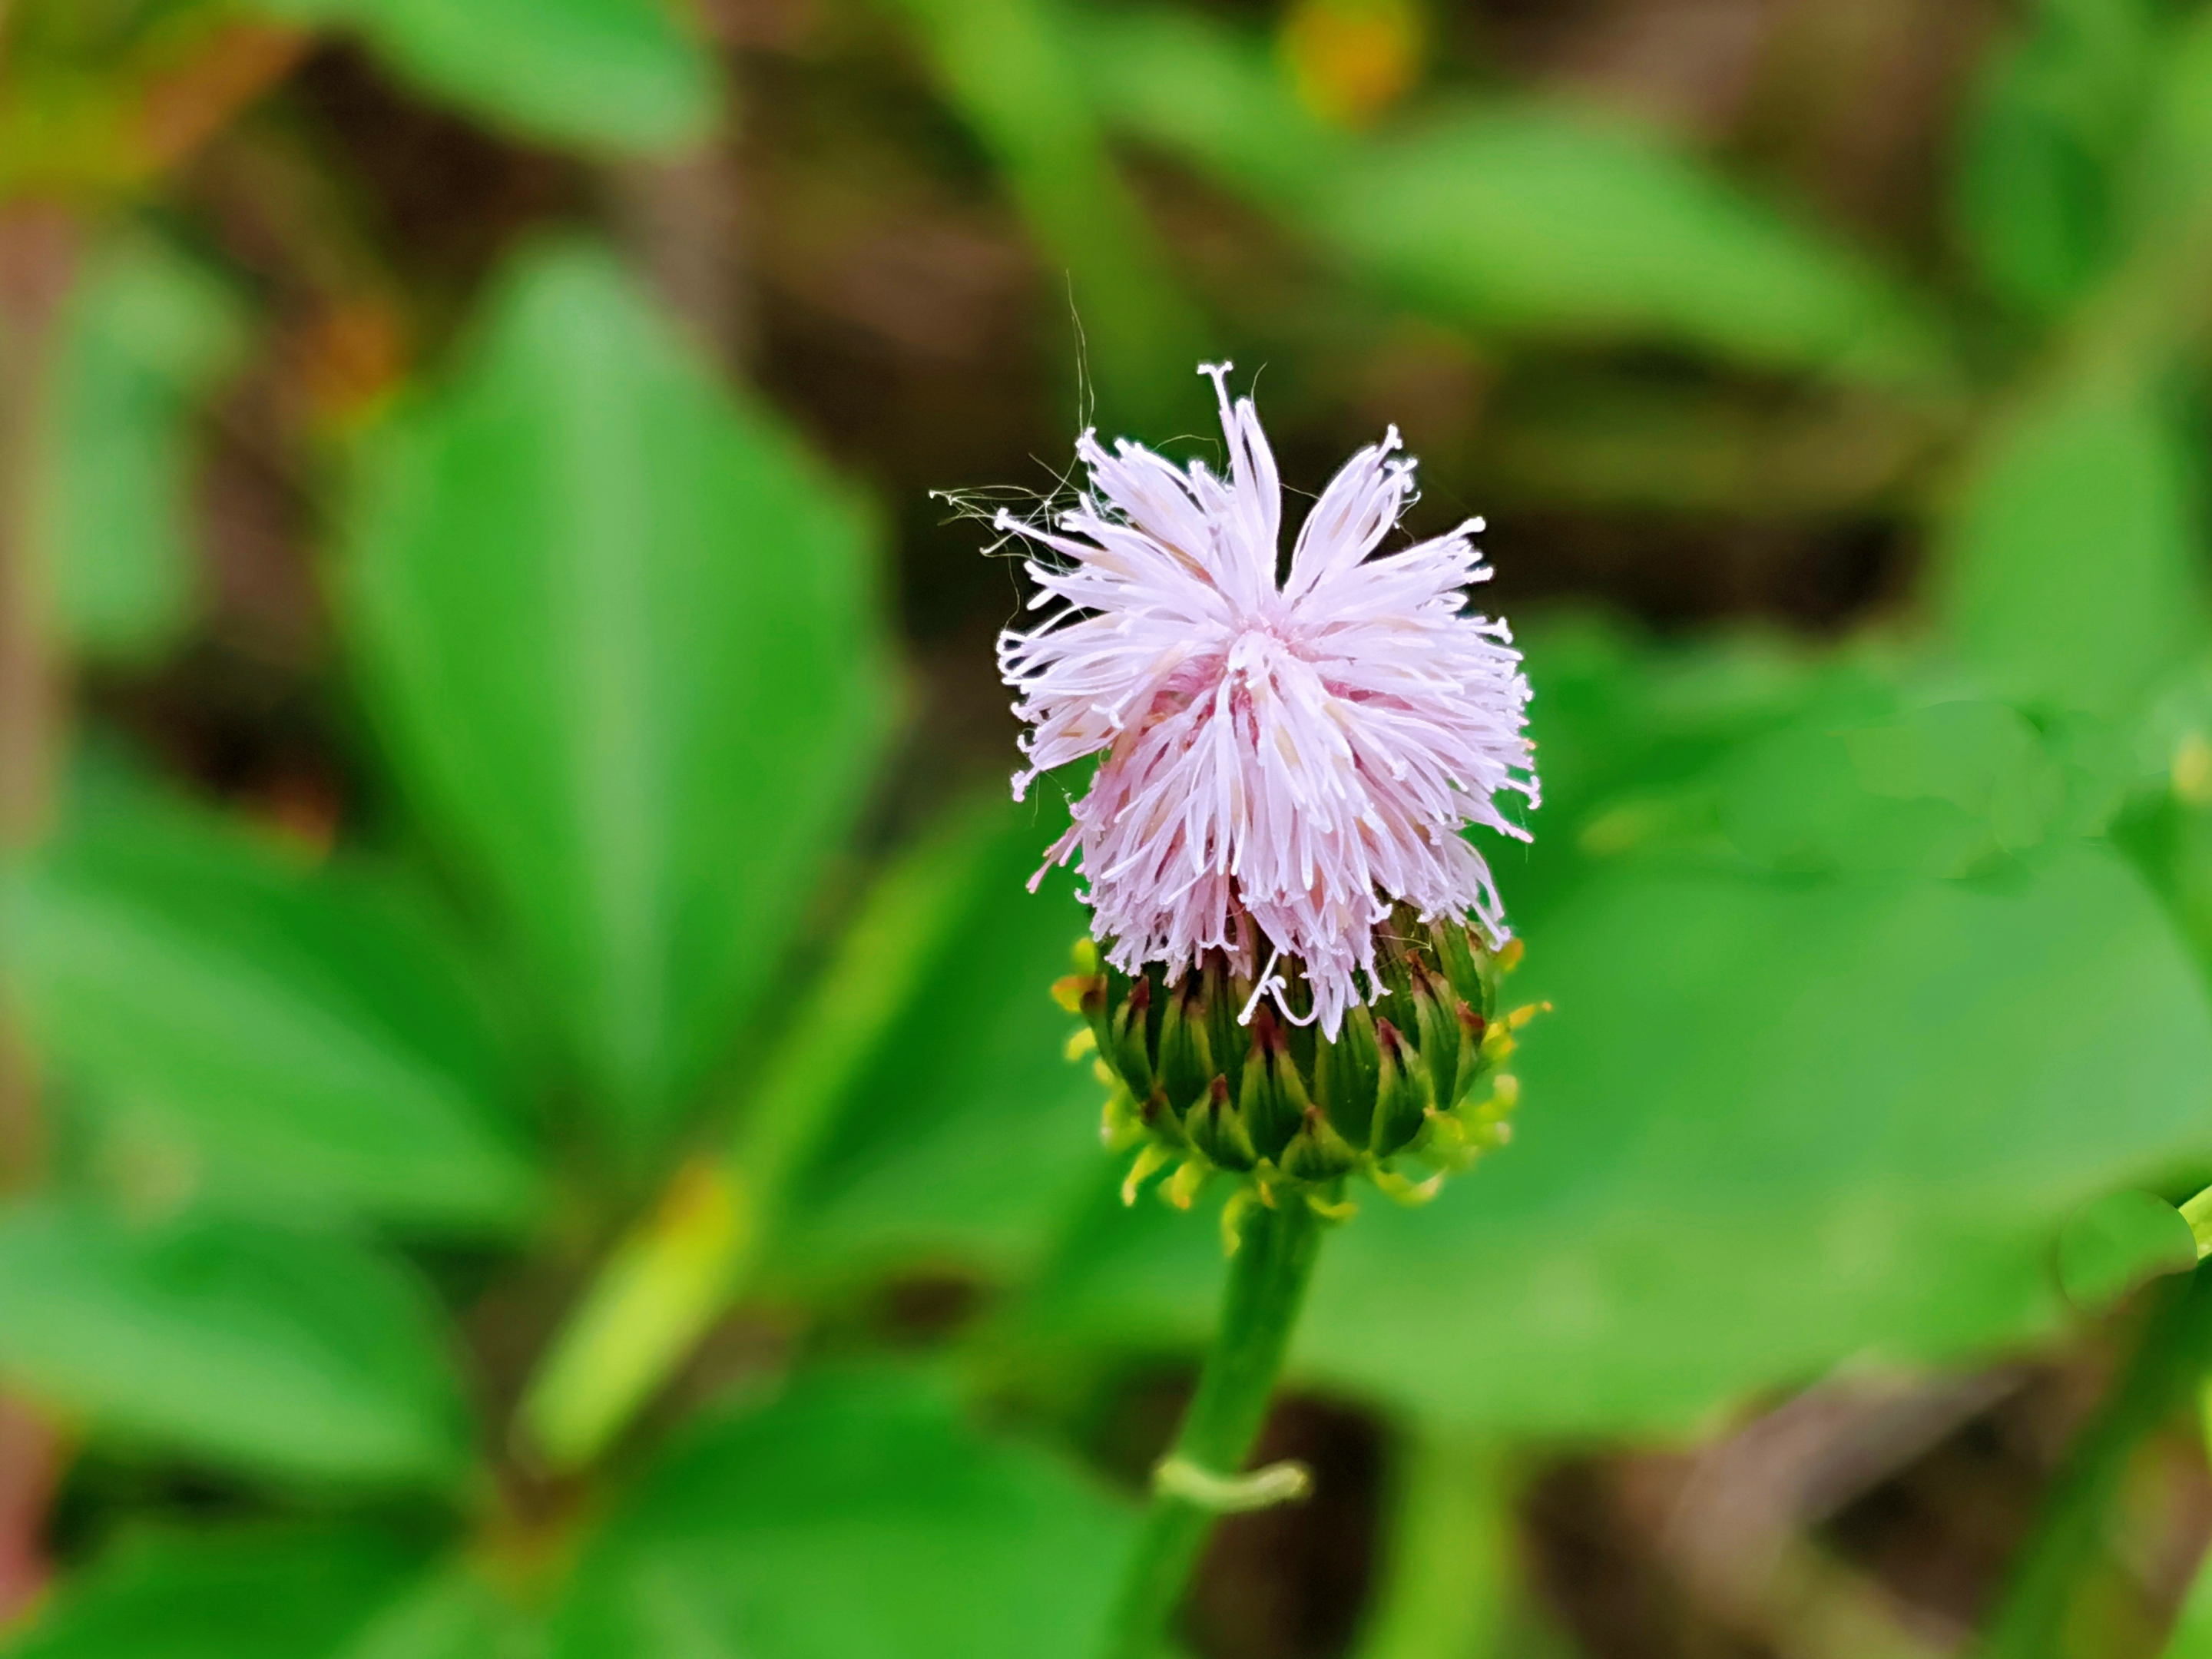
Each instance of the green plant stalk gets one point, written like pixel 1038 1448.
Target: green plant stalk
pixel 1016 77
pixel 1446 1586
pixel 671 1276
pixel 2037 1618
pixel 2197 1212
pixel 1267 1280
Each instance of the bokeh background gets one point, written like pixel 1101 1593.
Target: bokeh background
pixel 530 1119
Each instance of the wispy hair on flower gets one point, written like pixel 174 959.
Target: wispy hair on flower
pixel 1289 757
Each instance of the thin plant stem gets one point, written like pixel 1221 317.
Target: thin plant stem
pixel 676 1271
pixel 1267 1280
pixel 2068 1547
pixel 1447 1583
pixel 38 263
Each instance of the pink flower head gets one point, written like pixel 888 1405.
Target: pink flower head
pixel 1285 761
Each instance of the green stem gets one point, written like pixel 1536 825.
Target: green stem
pixel 1266 1283
pixel 667 1280
pixel 2068 1549
pixel 1446 1585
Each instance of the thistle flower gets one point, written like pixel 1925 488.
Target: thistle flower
pixel 1287 761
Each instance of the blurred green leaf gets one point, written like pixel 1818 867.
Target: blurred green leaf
pixel 2191 1636
pixel 289 1353
pixel 1616 711
pixel 266 1593
pixel 1745 747
pixel 1622 440
pixel 624 633
pixel 2115 1242
pixel 1634 736
pixel 1951 789
pixel 2051 124
pixel 1523 218
pixel 1546 222
pixel 965 1129
pixel 148 335
pixel 301 1039
pixel 2072 572
pixel 616 75
pixel 2166 193
pixel 450 1614
pixel 1890 1089
pixel 2164 774
pixel 859 1518
pixel 1013 69
pixel 1176 78
pixel 679 1267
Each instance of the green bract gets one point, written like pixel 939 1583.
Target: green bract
pixel 1201 1086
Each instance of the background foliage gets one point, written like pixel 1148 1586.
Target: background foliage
pixel 530 1117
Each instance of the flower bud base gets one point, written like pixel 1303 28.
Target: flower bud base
pixel 1206 1080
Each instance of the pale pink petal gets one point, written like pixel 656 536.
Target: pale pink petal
pixel 1283 762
